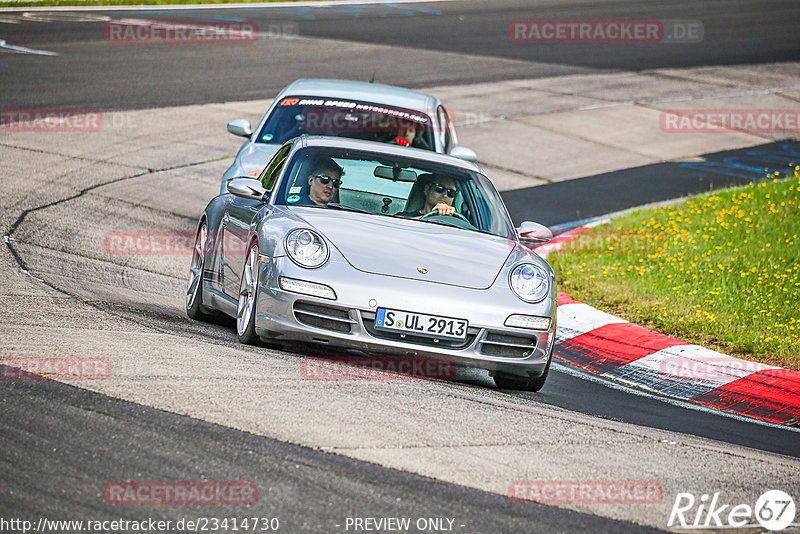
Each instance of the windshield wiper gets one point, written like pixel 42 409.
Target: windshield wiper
pixel 345 207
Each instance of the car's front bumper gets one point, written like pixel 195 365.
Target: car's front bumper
pixel 348 321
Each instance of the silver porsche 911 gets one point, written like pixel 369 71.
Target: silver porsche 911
pixel 344 108
pixel 389 250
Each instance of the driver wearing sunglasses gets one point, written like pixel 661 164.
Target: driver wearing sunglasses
pixel 440 192
pixel 324 182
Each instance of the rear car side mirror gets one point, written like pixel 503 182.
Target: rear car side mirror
pixel 462 152
pixel 240 127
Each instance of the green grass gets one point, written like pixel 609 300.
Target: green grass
pixel 720 270
pixel 52 3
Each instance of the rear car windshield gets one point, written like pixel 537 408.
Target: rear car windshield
pixel 299 115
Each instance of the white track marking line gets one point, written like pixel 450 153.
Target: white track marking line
pixel 23 50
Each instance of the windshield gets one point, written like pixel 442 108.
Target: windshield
pixel 393 186
pixel 299 115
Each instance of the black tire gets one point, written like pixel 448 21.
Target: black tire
pixel 194 290
pixel 532 383
pixel 248 295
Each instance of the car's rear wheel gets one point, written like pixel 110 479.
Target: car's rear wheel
pixel 532 383
pixel 248 292
pixel 194 289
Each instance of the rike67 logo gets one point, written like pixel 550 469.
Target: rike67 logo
pixel 774 510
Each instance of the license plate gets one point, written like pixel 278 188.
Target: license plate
pixel 421 324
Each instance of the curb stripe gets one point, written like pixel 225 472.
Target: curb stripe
pixel 577 319
pixel 770 395
pixel 683 371
pixel 614 345
pixel 563 298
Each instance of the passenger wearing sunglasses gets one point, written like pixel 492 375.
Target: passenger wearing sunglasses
pixel 324 182
pixel 440 192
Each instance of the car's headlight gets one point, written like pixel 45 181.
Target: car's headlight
pixel 530 282
pixel 306 248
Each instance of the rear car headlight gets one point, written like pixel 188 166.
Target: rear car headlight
pixel 306 248
pixel 530 282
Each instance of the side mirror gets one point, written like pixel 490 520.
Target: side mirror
pixel 531 234
pixel 462 152
pixel 240 127
pixel 246 188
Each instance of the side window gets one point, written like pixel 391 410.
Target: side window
pixel 445 129
pixel 273 169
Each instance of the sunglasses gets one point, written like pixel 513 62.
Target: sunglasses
pixel 439 188
pixel 325 180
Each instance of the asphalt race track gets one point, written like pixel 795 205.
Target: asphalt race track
pixel 191 404
pixel 307 490
pixel 471 38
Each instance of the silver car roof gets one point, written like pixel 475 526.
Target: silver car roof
pixel 369 92
pixel 386 148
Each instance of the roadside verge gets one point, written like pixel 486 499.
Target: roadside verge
pixel 609 346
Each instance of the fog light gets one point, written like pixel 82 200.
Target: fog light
pixel 530 322
pixel 307 288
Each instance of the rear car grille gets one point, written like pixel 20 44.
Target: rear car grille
pixel 369 325
pixel 507 345
pixel 321 316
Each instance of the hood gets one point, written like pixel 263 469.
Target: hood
pixel 401 247
pixel 254 157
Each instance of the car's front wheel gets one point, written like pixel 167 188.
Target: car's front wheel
pixel 248 291
pixel 534 383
